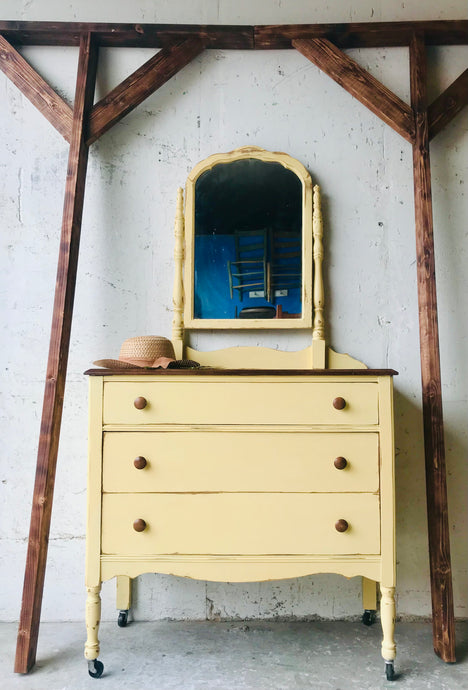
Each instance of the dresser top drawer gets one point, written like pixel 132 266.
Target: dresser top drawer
pixel 241 401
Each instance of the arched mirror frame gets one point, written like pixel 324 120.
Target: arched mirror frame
pixel 249 152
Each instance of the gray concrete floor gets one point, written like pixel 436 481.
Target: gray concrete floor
pixel 260 655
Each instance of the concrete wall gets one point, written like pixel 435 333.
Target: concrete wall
pixel 222 100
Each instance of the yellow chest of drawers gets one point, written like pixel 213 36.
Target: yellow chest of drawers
pixel 241 476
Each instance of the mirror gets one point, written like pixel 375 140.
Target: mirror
pixel 248 221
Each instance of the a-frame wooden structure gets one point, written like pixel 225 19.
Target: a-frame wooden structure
pixel 323 44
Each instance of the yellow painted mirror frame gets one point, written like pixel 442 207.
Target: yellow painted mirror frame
pixel 304 318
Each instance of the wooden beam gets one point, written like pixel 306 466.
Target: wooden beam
pixel 36 90
pixel 359 83
pixel 434 446
pixel 273 37
pixel 448 104
pixel 363 35
pixel 57 363
pixel 237 37
pixel 141 84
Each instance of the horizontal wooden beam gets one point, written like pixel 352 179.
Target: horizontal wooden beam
pixel 36 89
pixel 364 35
pixel 352 35
pixel 141 84
pixel 127 35
pixel 360 84
pixel 448 104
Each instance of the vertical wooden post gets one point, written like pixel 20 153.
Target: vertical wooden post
pixel 57 362
pixel 436 488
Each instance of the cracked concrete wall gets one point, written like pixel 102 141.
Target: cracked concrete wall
pixel 222 100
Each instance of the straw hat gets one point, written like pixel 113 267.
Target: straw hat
pixel 145 351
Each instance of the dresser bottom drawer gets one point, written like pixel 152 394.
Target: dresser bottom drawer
pixel 240 523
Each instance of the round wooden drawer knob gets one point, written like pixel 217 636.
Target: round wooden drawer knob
pixel 140 403
pixel 339 403
pixel 139 525
pixel 140 462
pixel 340 463
pixel 341 525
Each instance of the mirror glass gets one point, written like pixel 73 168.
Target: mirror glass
pixel 248 221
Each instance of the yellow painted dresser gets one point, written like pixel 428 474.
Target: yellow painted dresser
pixel 240 476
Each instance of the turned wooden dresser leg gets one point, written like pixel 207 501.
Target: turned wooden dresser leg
pixel 387 617
pixel 93 617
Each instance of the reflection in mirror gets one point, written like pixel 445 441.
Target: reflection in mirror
pixel 248 241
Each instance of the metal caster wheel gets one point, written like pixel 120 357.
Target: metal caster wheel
pixel 122 620
pixel 389 670
pixel 95 668
pixel 368 617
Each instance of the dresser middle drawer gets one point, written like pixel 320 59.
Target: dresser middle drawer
pixel 204 461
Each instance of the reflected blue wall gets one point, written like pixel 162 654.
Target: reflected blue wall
pixel 212 298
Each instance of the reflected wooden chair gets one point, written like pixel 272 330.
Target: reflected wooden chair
pixel 251 269
pixel 286 261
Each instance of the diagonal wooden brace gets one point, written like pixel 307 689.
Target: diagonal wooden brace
pixel 359 83
pixel 448 104
pixel 141 84
pixel 36 89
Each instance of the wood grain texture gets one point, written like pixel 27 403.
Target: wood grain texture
pixel 141 84
pixel 359 83
pixel 36 90
pixel 436 489
pixel 274 37
pixel 57 362
pixel 208 371
pixel 442 111
pixel 362 35
pixel 128 35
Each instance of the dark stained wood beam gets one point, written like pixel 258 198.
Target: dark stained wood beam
pixel 36 89
pixel 363 35
pixel 57 363
pixel 434 447
pixel 141 84
pixel 128 35
pixel 274 37
pixel 448 104
pixel 359 83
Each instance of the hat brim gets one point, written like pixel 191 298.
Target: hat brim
pixel 113 364
pixel 160 362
